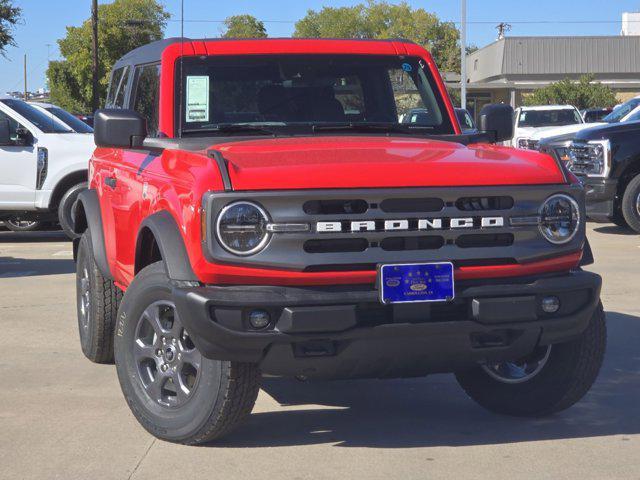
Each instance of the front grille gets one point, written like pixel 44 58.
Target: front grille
pixel 369 227
pixel 581 162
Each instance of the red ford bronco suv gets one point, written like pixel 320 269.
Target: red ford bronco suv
pixel 278 206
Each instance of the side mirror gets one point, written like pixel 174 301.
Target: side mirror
pixel 119 128
pixel 24 138
pixel 497 120
pixel 5 133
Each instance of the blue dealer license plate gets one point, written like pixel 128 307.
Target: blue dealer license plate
pixel 424 282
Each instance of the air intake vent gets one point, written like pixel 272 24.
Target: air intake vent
pixel 335 207
pixel 474 204
pixel 483 240
pixel 336 245
pixel 411 205
pixel 397 244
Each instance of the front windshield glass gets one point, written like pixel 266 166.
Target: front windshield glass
pixel 46 123
pixel 622 111
pixel 287 91
pixel 74 122
pixel 548 118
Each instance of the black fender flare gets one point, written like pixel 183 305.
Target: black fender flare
pixel 87 215
pixel 172 249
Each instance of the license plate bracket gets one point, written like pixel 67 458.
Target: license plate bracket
pixel 416 282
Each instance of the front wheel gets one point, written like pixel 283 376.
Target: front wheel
pixel 549 380
pixel 631 204
pixel 173 390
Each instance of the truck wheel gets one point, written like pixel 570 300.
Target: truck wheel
pixel 97 299
pixel 16 225
pixel 631 204
pixel 550 380
pixel 66 208
pixel 175 393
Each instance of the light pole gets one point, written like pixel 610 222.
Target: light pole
pixel 95 102
pixel 463 54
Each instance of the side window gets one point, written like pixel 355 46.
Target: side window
pixel 122 88
pixel 147 96
pixel 13 125
pixel 116 78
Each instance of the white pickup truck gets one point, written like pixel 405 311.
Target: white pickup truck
pixel 534 120
pixel 43 166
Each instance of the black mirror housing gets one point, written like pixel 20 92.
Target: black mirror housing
pixel 119 128
pixel 497 120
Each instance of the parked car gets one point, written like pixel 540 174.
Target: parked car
pixel 88 119
pixel 73 122
pixel 531 120
pixel 43 167
pixel 467 124
pixel 606 159
pixel 316 235
pixel 592 115
pixel 626 112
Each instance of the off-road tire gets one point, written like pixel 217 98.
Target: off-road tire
pixel 66 209
pixel 629 204
pixel 567 376
pixel 96 333
pixel 225 392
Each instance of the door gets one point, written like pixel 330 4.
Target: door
pixel 18 171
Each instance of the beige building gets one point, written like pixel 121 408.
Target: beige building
pixel 508 68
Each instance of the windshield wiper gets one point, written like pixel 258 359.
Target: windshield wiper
pixel 370 127
pixel 232 128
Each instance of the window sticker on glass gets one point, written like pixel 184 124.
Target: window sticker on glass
pixel 197 99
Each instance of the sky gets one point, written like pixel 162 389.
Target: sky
pixel 44 22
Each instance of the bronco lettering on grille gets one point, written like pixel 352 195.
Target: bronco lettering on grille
pixel 409 224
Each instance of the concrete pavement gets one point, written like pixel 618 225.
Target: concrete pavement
pixel 63 417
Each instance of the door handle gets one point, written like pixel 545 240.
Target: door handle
pixel 110 182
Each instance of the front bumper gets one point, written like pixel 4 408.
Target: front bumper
pixel 347 333
pixel 600 196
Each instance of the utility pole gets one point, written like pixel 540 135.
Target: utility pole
pixel 463 55
pixel 95 103
pixel 25 77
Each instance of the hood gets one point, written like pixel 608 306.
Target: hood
pixel 377 162
pixel 607 130
pixel 564 130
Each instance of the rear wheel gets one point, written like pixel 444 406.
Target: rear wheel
pixel 175 393
pixel 97 300
pixel 66 208
pixel 16 224
pixel 549 380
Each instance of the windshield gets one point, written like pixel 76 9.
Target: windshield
pixel 622 111
pixel 548 118
pixel 75 123
pixel 46 123
pixel 286 91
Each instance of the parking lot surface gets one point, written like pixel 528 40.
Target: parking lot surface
pixel 64 417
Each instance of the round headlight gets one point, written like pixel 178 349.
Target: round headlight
pixel 241 228
pixel 559 218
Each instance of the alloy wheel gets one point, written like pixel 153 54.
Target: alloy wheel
pixel 521 370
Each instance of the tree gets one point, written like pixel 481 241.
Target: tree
pixel 123 26
pixel 585 93
pixel 379 19
pixel 244 26
pixel 9 17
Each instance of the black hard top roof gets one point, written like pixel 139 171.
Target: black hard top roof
pixel 152 52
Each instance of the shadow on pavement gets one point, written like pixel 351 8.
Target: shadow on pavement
pixel 434 411
pixel 11 267
pixel 614 230
pixel 8 236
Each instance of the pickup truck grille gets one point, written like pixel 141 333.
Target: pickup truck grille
pixel 466 225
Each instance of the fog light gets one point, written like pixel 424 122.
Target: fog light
pixel 259 319
pixel 550 304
